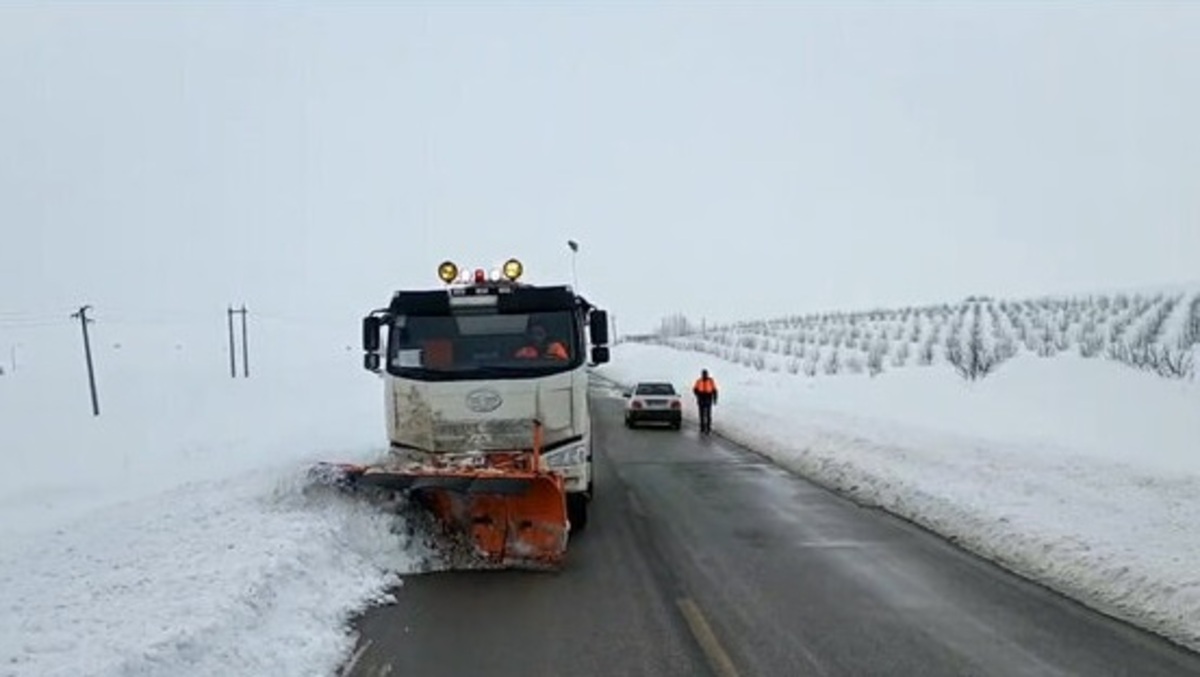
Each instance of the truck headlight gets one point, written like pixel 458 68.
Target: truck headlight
pixel 567 456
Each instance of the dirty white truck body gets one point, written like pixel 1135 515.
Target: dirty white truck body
pixel 454 389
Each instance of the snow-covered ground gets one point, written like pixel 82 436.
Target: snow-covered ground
pixel 172 535
pixel 1080 473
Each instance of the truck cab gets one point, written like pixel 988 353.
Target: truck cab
pixel 466 367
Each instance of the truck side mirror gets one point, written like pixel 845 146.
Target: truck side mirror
pixel 598 329
pixel 599 354
pixel 371 362
pixel 370 333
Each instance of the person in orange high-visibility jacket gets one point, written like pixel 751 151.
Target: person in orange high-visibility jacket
pixel 705 390
pixel 538 346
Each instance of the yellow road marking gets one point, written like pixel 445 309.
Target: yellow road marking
pixel 703 632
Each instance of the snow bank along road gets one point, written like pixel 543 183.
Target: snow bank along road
pixel 704 558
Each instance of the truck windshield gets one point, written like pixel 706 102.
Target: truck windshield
pixel 483 345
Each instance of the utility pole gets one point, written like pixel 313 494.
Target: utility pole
pixel 229 313
pixel 574 250
pixel 245 350
pixel 87 352
pixel 232 353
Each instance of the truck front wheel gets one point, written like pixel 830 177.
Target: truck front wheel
pixel 577 511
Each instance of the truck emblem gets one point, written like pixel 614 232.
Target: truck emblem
pixel 483 400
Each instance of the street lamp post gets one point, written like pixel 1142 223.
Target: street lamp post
pixel 574 250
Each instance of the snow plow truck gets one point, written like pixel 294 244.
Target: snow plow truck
pixel 487 411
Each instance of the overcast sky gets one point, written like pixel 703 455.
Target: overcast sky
pixel 727 162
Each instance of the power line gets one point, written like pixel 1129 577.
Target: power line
pixel 11 318
pixel 327 320
pixel 31 324
pixel 40 313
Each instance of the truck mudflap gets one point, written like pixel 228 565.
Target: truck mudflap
pixel 510 508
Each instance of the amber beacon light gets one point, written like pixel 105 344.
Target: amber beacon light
pixel 513 269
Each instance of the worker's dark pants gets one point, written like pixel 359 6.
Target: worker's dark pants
pixel 705 416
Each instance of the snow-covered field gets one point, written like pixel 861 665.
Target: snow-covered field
pixel 1153 330
pixel 171 535
pixel 1080 473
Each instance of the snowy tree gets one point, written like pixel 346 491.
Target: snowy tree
pixel 832 363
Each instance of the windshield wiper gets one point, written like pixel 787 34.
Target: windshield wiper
pixel 489 371
pixel 516 368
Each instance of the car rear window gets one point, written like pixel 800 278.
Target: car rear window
pixel 655 389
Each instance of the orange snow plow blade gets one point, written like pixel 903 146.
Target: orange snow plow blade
pixel 517 520
pixel 511 509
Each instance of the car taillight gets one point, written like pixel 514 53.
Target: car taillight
pixel 636 404
pixel 675 404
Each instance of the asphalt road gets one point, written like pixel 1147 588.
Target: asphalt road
pixel 702 558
